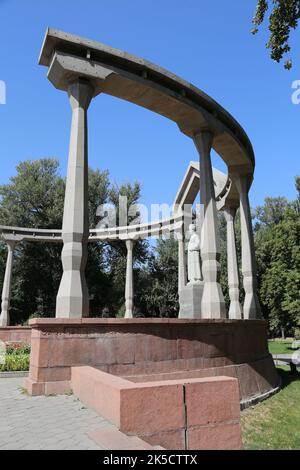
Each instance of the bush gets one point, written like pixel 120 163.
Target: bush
pixel 17 348
pixel 15 362
pixel 17 357
pixel 297 333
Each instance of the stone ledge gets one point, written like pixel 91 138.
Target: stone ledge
pixel 110 438
pixel 189 413
pixel 43 322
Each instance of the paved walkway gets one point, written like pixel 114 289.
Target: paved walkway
pixel 58 422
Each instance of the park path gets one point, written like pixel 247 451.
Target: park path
pixel 53 422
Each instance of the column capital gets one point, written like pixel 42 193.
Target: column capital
pixel 80 93
pixel 242 182
pixel 11 244
pixel 203 139
pixel 129 243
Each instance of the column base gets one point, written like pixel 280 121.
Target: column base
pixel 72 300
pixel 213 303
pixel 251 307
pixel 35 388
pixel 3 322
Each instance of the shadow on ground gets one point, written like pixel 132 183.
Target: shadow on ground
pixel 287 377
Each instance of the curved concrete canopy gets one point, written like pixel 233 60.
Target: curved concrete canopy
pixel 133 79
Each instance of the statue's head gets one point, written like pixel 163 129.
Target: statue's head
pixel 192 228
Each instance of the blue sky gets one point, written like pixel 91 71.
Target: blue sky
pixel 206 42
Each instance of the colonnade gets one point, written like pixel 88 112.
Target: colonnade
pixel 73 298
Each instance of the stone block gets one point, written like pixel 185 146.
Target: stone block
pixel 151 407
pixel 34 388
pixel 212 400
pixel 170 440
pixel 99 391
pixel 110 438
pixel 224 436
pixel 58 387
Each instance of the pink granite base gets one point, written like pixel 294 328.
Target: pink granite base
pixel 152 350
pixel 187 413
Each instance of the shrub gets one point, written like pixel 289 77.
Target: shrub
pixel 17 348
pixel 297 333
pixel 15 362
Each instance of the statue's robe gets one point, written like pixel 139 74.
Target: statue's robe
pixel 194 271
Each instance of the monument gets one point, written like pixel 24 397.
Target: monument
pixel 173 360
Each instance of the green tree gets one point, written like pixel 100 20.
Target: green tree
pixel 283 19
pixel 96 275
pixel 277 240
pixel 34 198
pixel 159 281
pixel 272 212
pixel 116 252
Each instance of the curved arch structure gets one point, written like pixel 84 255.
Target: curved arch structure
pixel 117 73
pixel 210 345
pixel 85 68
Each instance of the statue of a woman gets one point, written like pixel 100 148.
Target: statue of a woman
pixel 194 271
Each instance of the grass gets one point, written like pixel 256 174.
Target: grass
pixel 274 424
pixel 280 347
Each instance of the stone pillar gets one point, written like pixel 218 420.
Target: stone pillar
pixel 6 290
pixel 251 308
pixel 129 280
pixel 235 309
pixel 181 262
pixel 212 304
pixel 73 298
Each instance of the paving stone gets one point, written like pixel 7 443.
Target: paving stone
pixel 56 422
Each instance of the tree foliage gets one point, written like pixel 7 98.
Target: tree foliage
pixel 277 239
pixel 283 19
pixel 159 280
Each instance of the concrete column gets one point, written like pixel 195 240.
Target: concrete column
pixel 181 262
pixel 73 298
pixel 251 308
pixel 212 304
pixel 129 280
pixel 6 289
pixel 235 309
